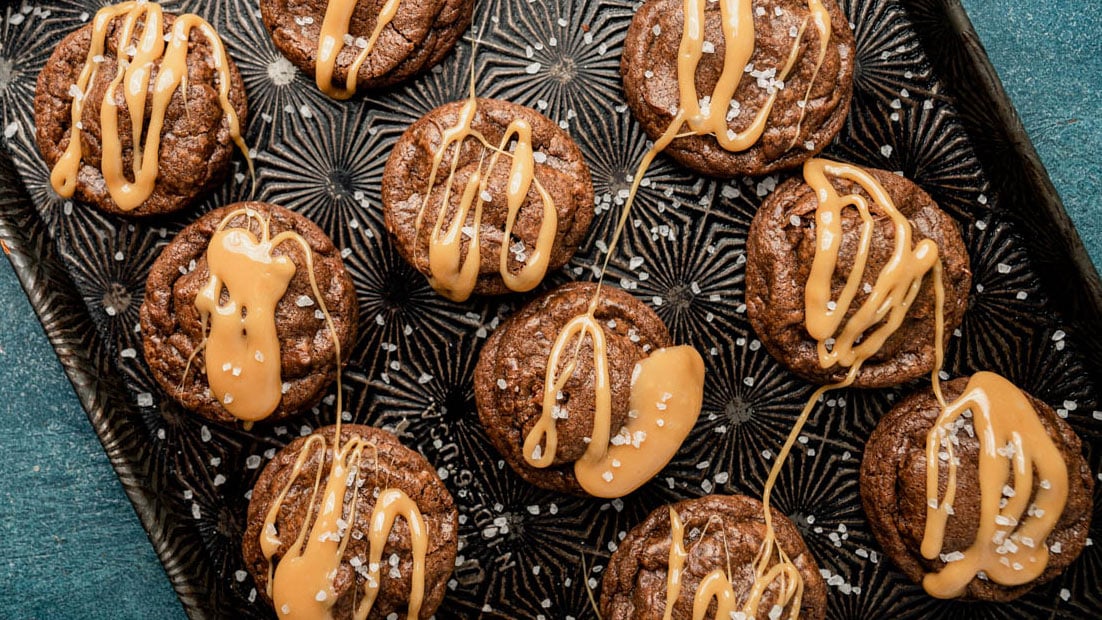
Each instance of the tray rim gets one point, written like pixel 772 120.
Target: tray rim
pixel 37 268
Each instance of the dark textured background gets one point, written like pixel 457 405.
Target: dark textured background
pixel 70 545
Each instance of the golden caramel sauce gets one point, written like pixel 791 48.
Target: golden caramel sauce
pixel 694 117
pixel 1014 523
pixel 676 565
pixel 666 394
pixel 301 585
pixel 331 40
pixel 241 347
pixel 849 343
pixel 153 49
pixel 717 584
pixel 454 273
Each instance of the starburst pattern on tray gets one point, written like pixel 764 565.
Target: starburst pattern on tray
pixel 113 286
pixel 750 403
pixel 688 279
pixel 449 81
pixel 400 314
pixel 889 54
pixel 278 92
pixel 330 173
pixel 818 490
pixel 62 216
pixel 925 143
pixel 562 59
pixel 1005 301
pixel 27 34
pixel 613 146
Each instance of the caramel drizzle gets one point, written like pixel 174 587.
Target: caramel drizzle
pixel 453 274
pixel 242 352
pixel 898 283
pixel 713 116
pixel 666 394
pixel 717 585
pixel 301 585
pixel 846 344
pixel 135 66
pixel 1010 544
pixel 676 563
pixel 331 40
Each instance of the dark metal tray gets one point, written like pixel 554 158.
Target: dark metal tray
pixel 927 104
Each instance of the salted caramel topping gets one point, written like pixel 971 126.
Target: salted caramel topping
pixel 710 114
pixel 247 280
pixel 331 40
pixel 849 342
pixel 453 272
pixel 820 17
pixel 666 395
pixel 242 348
pixel 1014 522
pixel 717 585
pixel 676 564
pixel 301 585
pixel 136 62
pixel 542 442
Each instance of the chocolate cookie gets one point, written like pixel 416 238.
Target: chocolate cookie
pixel 177 337
pixel 414 38
pixel 811 101
pixel 720 532
pixel 196 140
pixel 893 492
pixel 780 248
pixel 510 376
pixel 377 466
pixel 559 172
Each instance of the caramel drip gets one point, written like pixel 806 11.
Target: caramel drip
pixel 332 39
pixel 717 584
pixel 242 352
pixel 676 566
pixel 135 66
pixel 1010 545
pixel 242 348
pixel 667 390
pixel 895 288
pixel 666 394
pixel 453 274
pixel 821 18
pixel 542 442
pixel 301 585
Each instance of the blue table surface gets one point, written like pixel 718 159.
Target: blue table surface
pixel 68 535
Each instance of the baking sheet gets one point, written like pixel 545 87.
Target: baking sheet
pixel 926 104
